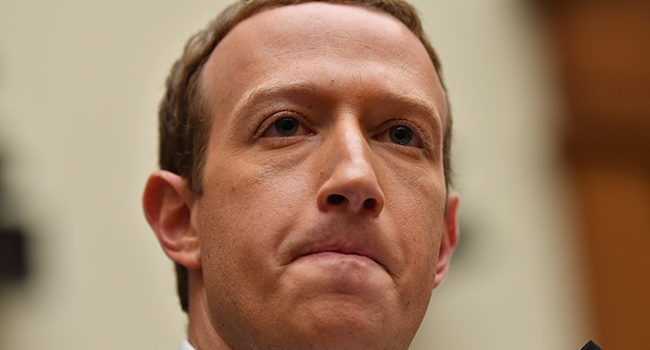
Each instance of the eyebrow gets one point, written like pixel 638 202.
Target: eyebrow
pixel 412 101
pixel 304 87
pixel 282 88
pixel 262 93
pixel 300 87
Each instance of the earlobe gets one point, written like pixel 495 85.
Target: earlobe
pixel 168 205
pixel 449 237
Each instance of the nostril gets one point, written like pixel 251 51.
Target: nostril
pixel 335 199
pixel 369 203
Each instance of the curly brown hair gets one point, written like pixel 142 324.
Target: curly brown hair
pixel 184 125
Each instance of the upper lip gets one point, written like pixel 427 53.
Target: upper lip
pixel 344 249
pixel 368 250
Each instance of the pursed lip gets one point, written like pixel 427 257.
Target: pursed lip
pixel 342 249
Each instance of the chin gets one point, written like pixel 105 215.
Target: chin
pixel 346 339
pixel 344 323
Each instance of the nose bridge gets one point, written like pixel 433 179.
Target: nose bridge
pixel 354 154
pixel 352 182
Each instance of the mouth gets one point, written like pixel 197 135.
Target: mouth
pixel 336 251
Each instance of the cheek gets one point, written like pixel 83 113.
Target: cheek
pixel 415 201
pixel 245 214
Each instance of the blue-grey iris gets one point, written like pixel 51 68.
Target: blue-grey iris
pixel 401 135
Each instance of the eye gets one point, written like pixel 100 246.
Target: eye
pixel 401 135
pixel 286 126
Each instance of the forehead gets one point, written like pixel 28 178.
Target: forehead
pixel 284 43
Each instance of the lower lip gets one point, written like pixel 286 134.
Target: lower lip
pixel 341 273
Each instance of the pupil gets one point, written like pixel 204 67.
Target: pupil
pixel 286 126
pixel 401 134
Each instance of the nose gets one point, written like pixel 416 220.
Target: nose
pixel 351 184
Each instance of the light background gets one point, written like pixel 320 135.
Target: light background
pixel 79 86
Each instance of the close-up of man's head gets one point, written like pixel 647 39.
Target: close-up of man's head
pixel 304 191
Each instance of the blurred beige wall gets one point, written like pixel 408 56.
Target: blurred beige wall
pixel 79 87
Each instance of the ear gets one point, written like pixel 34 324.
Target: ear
pixel 449 237
pixel 168 205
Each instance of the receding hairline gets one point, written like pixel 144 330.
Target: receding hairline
pixel 443 113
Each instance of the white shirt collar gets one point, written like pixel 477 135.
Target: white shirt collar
pixel 185 345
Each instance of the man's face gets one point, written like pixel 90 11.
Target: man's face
pixel 324 193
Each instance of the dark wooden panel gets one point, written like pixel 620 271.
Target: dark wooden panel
pixel 604 48
pixel 603 51
pixel 614 203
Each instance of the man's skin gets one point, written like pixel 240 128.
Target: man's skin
pixel 321 231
